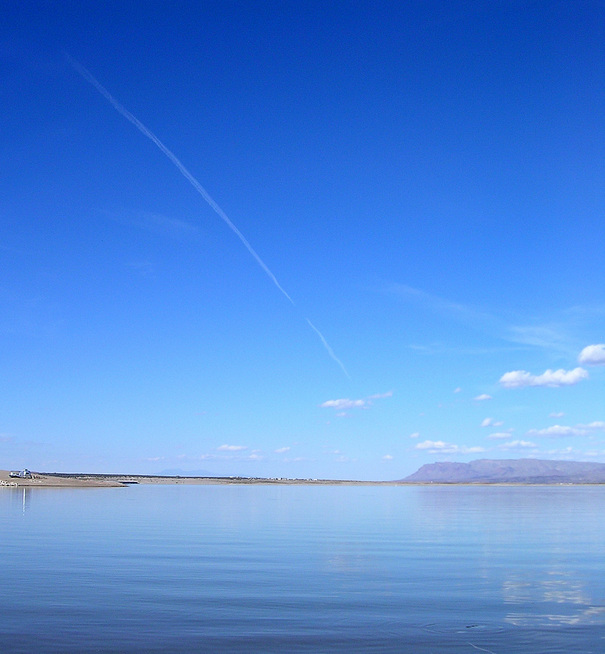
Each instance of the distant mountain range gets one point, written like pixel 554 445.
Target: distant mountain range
pixel 519 471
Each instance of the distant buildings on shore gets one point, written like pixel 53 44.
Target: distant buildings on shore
pixel 20 474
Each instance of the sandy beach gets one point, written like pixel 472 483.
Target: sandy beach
pixel 50 480
pixel 76 480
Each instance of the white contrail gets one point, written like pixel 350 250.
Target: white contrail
pixel 197 186
pixel 328 348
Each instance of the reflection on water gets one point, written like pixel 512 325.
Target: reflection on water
pixel 304 569
pixel 18 498
pixel 564 588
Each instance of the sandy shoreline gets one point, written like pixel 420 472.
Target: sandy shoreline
pixel 77 480
pixel 97 480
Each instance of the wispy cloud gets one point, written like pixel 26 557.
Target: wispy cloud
pixel 131 118
pixel 483 397
pixel 490 422
pixel 558 431
pixel 566 451
pixel 499 435
pixel 166 226
pixel 548 335
pixel 388 457
pixel 441 447
pixel 344 404
pixel 517 445
pixel 460 311
pixel 380 396
pixel 551 378
pixel 231 448
pixel 593 355
pixel 282 450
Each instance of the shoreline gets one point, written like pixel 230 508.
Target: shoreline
pixel 102 480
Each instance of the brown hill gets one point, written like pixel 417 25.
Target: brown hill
pixel 520 471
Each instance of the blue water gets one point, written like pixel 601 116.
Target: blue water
pixel 303 569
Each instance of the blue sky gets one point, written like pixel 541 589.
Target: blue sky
pixel 423 180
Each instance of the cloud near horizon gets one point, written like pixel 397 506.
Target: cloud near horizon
pixel 550 378
pixel 231 448
pixel 499 435
pixel 557 431
pixel 441 447
pixel 516 445
pixel 593 355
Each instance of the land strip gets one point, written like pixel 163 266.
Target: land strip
pixel 112 480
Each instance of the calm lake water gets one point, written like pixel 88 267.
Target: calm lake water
pixel 303 569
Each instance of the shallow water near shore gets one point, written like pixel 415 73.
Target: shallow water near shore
pixel 303 569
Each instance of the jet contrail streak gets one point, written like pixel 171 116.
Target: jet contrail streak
pixel 186 174
pixel 328 348
pixel 197 186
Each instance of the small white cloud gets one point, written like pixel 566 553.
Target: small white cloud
pixel 597 425
pixel 556 414
pixel 387 457
pixel 552 378
pixel 416 434
pixel 282 450
pixel 231 448
pixel 499 434
pixel 565 451
pixel 593 355
pixel 432 445
pixel 557 431
pixel 458 390
pixel 482 397
pixel 255 457
pixel 516 445
pixel 490 422
pixel 341 404
pixel 380 396
pixel 436 447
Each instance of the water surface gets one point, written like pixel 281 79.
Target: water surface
pixel 303 569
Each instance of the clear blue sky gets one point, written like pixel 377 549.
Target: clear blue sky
pixel 425 181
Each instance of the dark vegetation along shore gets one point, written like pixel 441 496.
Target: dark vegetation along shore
pixel 483 471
